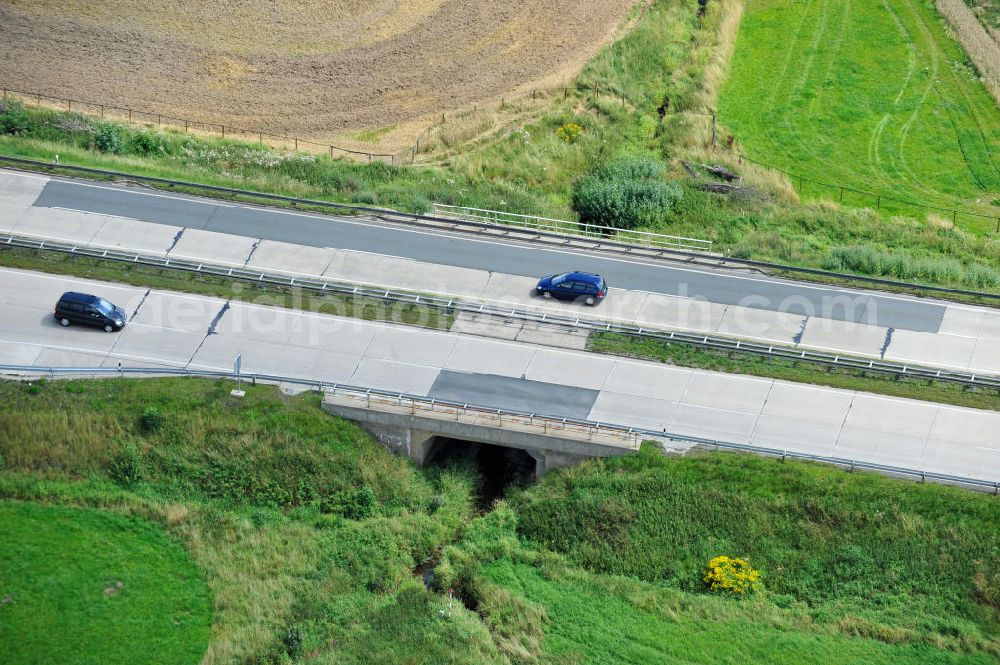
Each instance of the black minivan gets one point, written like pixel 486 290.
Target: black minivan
pixel 89 310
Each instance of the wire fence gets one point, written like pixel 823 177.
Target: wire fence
pixel 852 196
pixel 633 433
pixel 804 185
pixel 136 116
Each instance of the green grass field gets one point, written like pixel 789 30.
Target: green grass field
pixel 85 586
pixel 870 95
pixel 596 564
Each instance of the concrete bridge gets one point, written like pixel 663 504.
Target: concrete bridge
pixel 417 428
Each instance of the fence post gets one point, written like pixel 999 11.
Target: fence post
pixel 185 125
pixel 841 194
pixel 954 217
pixel 102 111
pixel 800 184
pixel 38 100
pixel 998 224
pixel 878 203
pixel 296 144
pixel 223 131
pixel 159 119
pixel 69 104
pixel 130 116
pixel 713 131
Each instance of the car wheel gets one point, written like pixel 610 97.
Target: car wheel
pixel 109 328
pixel 546 294
pixel 591 300
pixel 64 322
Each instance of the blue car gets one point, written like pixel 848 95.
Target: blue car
pixel 573 286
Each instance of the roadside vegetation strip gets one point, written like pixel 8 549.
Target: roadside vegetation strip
pixel 815 100
pixel 308 534
pixel 115 588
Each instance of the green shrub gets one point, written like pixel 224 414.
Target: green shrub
pixel 356 505
pixel 13 118
pixel 126 467
pixel 293 641
pixel 109 138
pixel 151 420
pixel 625 193
pixel 147 143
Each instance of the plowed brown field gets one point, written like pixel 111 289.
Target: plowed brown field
pixel 311 68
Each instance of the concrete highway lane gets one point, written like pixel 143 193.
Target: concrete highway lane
pixel 181 330
pixel 444 248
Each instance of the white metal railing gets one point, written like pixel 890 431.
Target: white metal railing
pixel 576 229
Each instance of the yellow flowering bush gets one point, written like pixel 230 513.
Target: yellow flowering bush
pixel 731 574
pixel 569 132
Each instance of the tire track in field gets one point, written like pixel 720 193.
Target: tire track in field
pixel 960 115
pixel 875 159
pixel 829 56
pixel 788 126
pixel 791 49
pixel 907 172
pixel 832 52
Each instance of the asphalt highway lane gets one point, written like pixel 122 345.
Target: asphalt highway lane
pixel 444 248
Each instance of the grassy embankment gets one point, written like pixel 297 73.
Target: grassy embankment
pixel 83 584
pixel 873 96
pixel 307 532
pixel 528 168
pixel 607 559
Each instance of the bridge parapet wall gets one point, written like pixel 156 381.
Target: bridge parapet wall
pixel 410 428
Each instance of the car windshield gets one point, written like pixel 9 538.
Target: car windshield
pixel 104 307
pixel 559 279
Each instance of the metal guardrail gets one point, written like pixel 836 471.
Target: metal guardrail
pixel 694 441
pixel 453 305
pixel 568 228
pixel 536 235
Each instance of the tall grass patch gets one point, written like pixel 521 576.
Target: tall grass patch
pixel 897 557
